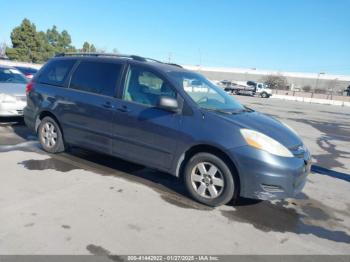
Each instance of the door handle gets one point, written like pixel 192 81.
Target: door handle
pixel 123 109
pixel 108 105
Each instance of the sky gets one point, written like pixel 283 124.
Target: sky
pixel 283 35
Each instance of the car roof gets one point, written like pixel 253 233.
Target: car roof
pixel 6 67
pixel 26 67
pixel 158 65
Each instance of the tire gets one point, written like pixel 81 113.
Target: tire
pixel 264 95
pixel 200 183
pixel 50 136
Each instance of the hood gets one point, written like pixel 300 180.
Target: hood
pixel 266 125
pixel 13 89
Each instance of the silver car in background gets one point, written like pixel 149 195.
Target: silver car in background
pixel 12 92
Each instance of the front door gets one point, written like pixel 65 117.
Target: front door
pixel 143 132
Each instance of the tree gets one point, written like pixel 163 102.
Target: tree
pixel 306 88
pixel 276 82
pixel 61 42
pixel 348 91
pixel 46 49
pixel 87 48
pixel 53 37
pixel 320 90
pixel 92 48
pixel 65 41
pixel 28 45
pixel 25 43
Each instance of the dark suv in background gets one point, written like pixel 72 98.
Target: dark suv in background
pixel 163 116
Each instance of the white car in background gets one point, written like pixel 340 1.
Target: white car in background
pixel 12 92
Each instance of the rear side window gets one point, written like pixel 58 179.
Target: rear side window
pixel 56 72
pixel 96 77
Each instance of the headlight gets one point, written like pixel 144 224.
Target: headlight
pixel 263 142
pixel 7 99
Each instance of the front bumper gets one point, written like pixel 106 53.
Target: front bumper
pixel 266 176
pixel 12 109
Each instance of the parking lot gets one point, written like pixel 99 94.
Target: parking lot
pixel 81 202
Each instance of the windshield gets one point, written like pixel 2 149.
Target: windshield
pixel 11 75
pixel 204 93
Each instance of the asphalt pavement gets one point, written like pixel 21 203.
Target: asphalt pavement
pixel 81 202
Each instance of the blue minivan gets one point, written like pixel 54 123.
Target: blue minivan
pixel 168 118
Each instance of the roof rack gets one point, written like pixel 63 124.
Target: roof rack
pixel 173 64
pixel 133 57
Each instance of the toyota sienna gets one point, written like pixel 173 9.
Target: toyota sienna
pixel 168 118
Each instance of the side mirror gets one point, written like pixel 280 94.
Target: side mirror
pixel 168 103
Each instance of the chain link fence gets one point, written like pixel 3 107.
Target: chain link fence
pixel 328 95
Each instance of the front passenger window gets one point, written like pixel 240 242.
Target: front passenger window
pixel 144 87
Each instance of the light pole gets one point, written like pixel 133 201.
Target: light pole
pixel 200 59
pixel 333 86
pixel 318 78
pixel 169 57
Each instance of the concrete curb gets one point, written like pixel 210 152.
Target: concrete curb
pixel 312 100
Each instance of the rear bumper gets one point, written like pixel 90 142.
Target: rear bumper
pixel 267 177
pixel 29 118
pixel 12 109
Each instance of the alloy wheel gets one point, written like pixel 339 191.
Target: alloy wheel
pixel 49 135
pixel 207 180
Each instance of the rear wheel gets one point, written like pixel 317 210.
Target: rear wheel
pixel 209 180
pixel 50 135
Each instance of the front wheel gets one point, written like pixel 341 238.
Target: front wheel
pixel 264 95
pixel 209 180
pixel 50 136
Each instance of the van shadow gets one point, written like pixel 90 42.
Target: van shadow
pixel 11 121
pixel 168 186
pixel 300 216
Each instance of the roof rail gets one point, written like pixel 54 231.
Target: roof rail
pixel 172 64
pixel 154 60
pixel 134 57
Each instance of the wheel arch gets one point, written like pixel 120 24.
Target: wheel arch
pixel 204 148
pixel 41 116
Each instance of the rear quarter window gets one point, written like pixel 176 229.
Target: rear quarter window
pixel 56 72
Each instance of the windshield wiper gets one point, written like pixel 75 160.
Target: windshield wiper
pixel 247 109
pixel 227 112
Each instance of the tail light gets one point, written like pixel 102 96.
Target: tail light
pixel 29 87
pixel 29 76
